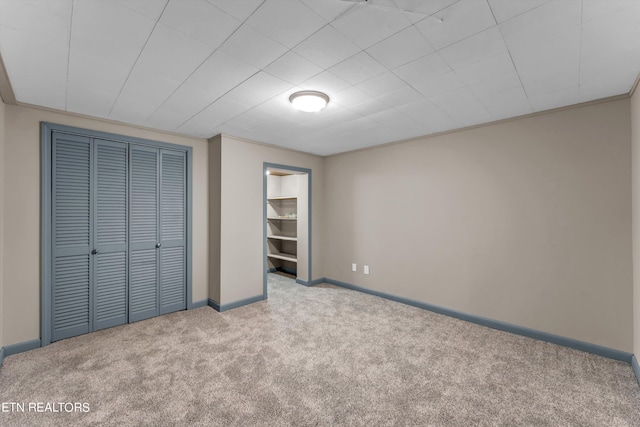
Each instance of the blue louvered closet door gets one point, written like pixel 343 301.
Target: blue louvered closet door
pixel 119 233
pixel 172 231
pixel 110 234
pixel 144 242
pixel 89 199
pixel 72 239
pixel 158 232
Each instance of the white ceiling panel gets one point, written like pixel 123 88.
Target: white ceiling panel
pixel 328 9
pixel 549 100
pixel 393 68
pixel 326 81
pixel 101 58
pixel 509 103
pixel 326 47
pixel 424 8
pixel 214 115
pixel 370 106
pixel 430 75
pixel 199 20
pixel 293 68
pixel 463 106
pixel 479 47
pixel 486 68
pixel 427 113
pixel 393 119
pixel 401 48
pixel 495 85
pixel 252 47
pixel 214 78
pixel 543 21
pixel 382 84
pixel 257 89
pixel 25 55
pixel 402 96
pixel 250 119
pixel 350 97
pixel 152 9
pixel 286 21
pixel 167 60
pixel 358 68
pixel 366 26
pixel 458 21
pixel 238 9
pixel 504 10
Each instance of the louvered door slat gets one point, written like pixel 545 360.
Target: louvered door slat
pixel 111 234
pixel 143 256
pixel 72 239
pixel 172 231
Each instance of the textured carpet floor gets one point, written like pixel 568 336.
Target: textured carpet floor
pixel 317 356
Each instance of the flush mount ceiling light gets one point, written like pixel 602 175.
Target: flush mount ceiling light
pixel 309 101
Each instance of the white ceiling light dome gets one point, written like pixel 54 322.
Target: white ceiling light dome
pixel 309 101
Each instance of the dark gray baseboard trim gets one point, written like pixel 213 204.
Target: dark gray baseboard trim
pixel 311 283
pixel 236 304
pixel 636 367
pixel 211 303
pixel 610 353
pixel 1 355
pixel 21 347
pixel 198 304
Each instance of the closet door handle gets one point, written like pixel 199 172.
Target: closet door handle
pixel 93 252
pixel 158 245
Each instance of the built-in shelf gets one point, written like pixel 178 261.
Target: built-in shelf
pixel 282 198
pixel 283 256
pixel 291 239
pixel 283 218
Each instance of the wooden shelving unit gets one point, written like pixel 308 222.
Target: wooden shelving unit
pixel 282 233
pixel 283 256
pixel 287 238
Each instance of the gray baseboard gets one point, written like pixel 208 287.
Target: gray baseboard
pixel 636 367
pixel 1 355
pixel 21 347
pixel 236 304
pixel 311 283
pixel 198 304
pixel 610 353
pixel 211 303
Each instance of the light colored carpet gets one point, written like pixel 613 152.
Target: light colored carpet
pixel 317 356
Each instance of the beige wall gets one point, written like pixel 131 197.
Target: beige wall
pixel 2 144
pixel 526 221
pixel 215 145
pixel 21 274
pixel 241 258
pixel 635 144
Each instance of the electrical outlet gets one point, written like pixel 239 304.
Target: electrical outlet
pixel 366 269
pixel 354 267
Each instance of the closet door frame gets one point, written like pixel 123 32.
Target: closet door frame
pixel 46 181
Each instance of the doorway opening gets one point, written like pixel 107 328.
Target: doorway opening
pixel 287 222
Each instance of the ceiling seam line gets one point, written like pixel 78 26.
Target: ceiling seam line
pixel 580 47
pixel 137 59
pixel 66 92
pixel 242 23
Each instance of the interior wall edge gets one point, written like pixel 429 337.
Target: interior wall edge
pixel 6 90
pixel 587 347
pixel 636 367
